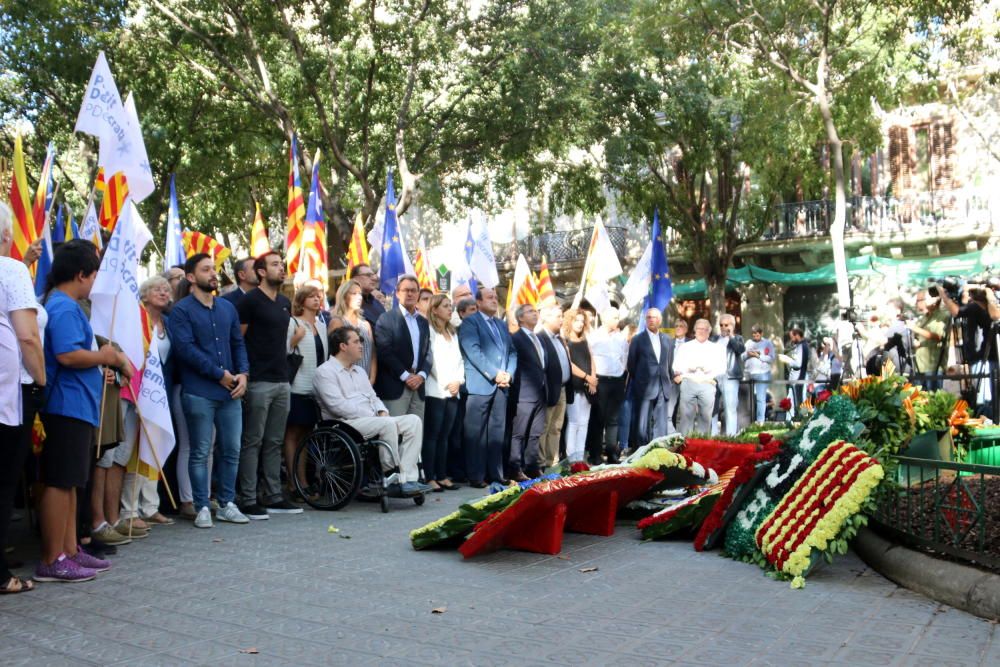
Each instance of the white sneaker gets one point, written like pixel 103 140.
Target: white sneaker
pixel 231 513
pixel 204 518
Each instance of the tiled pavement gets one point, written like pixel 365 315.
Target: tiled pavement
pixel 300 595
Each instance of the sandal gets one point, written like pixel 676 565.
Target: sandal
pixel 158 518
pixel 15 585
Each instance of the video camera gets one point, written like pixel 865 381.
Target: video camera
pixel 952 285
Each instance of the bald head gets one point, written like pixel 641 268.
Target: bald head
pixel 654 320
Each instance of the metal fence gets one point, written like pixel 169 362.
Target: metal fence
pixel 946 507
pixel 561 246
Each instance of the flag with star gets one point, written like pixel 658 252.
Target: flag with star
pixel 393 263
pixel 295 225
pixel 660 287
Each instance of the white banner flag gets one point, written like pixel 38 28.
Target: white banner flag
pixel 104 116
pixel 482 261
pixel 90 227
pixel 637 287
pixel 114 298
pixel 601 266
pixel 157 431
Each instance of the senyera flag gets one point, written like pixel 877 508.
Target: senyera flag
pixel 25 232
pixel 196 242
pixel 295 224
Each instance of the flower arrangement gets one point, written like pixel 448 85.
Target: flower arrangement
pixel 686 513
pixel 885 403
pixel 812 514
pixel 834 420
pixel 719 517
pixel 463 520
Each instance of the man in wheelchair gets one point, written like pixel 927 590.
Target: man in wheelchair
pixel 344 392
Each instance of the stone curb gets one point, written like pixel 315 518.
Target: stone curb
pixel 961 586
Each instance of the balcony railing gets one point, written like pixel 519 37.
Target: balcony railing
pixel 560 246
pixel 968 209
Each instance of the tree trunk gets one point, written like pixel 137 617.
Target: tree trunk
pixel 840 196
pixel 715 290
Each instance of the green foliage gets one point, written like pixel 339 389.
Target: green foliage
pixel 880 402
pixel 934 411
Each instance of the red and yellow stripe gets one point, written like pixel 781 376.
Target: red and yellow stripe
pixel 421 268
pixel 258 234
pixel 25 231
pixel 546 294
pixel 113 192
pixel 295 224
pixel 196 242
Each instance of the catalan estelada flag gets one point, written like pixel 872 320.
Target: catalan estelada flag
pixel 45 191
pixel 313 254
pixel 258 233
pixel 295 225
pixel 25 231
pixel 113 191
pixel 546 294
pixel 196 242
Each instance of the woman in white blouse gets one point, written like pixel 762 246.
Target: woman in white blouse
pixel 307 336
pixel 441 406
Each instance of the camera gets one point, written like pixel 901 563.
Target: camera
pixel 952 285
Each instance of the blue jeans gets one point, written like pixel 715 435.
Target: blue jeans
pixel 760 385
pixel 227 418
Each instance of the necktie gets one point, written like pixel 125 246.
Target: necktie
pixel 495 331
pixel 538 348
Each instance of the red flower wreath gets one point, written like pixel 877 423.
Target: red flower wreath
pixel 764 438
pixel 744 474
pixel 823 395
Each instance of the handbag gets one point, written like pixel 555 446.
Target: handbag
pixel 294 359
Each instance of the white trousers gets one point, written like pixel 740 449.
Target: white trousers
pixel 577 417
pixel 405 436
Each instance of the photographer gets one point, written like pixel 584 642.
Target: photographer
pixel 928 333
pixel 899 339
pixel 977 312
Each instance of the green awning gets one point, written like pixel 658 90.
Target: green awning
pixel 906 271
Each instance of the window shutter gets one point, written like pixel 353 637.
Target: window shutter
pixel 900 159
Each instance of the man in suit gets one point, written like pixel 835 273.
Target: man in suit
pixel 532 389
pixel 402 343
pixel 735 347
pixel 650 365
pixel 246 280
pixel 558 375
pixel 490 364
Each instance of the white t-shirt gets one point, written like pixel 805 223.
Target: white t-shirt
pixel 16 293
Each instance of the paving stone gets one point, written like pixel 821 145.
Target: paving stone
pixel 302 596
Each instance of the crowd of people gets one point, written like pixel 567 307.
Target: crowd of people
pixel 463 393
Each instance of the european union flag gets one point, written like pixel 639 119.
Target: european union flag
pixel 470 244
pixel 392 265
pixel 660 288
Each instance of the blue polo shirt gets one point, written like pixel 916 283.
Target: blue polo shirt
pixel 204 343
pixel 70 392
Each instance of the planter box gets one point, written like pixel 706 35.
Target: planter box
pixel 932 446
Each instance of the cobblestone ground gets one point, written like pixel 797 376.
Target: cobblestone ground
pixel 288 592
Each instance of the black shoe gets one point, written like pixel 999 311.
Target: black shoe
pixel 478 485
pixel 254 512
pixel 283 507
pixel 98 550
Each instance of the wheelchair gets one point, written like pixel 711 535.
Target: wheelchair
pixel 340 465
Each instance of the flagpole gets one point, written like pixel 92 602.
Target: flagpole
pixel 104 386
pixel 156 457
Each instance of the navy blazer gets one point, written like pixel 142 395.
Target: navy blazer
pixel 553 371
pixel 483 357
pixel 530 382
pixel 649 376
pixel 395 353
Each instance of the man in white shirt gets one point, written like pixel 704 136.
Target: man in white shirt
pixel 697 364
pixel 344 392
pixel 610 351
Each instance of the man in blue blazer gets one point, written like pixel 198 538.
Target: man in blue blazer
pixel 402 343
pixel 650 365
pixel 490 364
pixel 532 390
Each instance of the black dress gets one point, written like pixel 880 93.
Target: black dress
pixel 579 355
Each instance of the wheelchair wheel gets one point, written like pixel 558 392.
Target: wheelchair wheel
pixel 419 500
pixel 385 504
pixel 333 469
